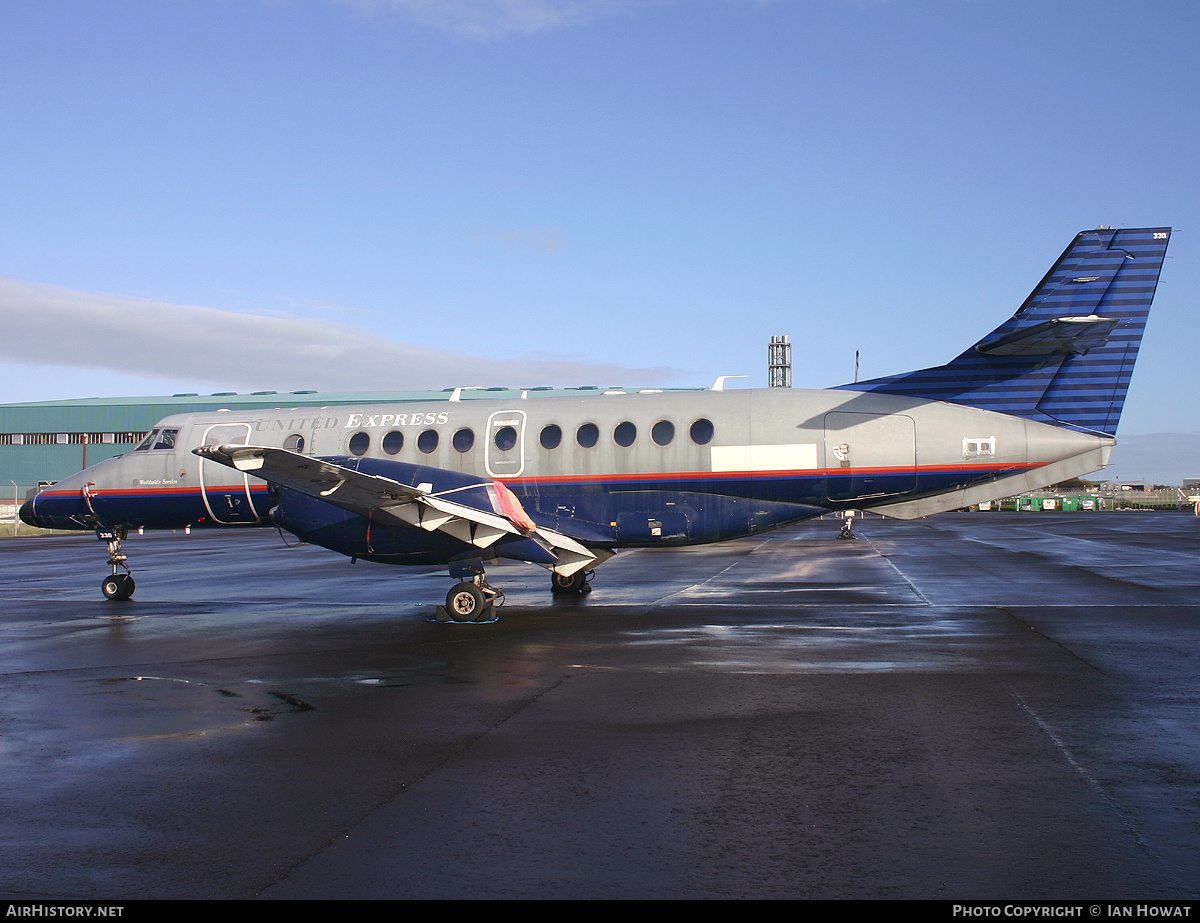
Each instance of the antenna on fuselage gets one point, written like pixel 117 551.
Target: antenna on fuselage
pixel 719 384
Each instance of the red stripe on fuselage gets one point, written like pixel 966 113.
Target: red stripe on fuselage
pixel 618 478
pixel 805 473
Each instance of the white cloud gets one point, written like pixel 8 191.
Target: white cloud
pixel 51 326
pixel 488 20
pixel 491 19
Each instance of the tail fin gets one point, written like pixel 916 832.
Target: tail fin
pixel 1067 355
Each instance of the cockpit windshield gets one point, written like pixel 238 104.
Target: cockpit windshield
pixel 166 439
pixel 147 442
pixel 158 439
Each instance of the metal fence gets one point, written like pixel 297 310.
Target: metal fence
pixel 10 505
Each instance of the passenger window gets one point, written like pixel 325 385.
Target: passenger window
pixel 625 434
pixel 587 435
pixel 294 443
pixel 393 442
pixel 551 436
pixel 427 441
pixel 359 443
pixel 702 432
pixel 505 438
pixel 663 432
pixel 463 440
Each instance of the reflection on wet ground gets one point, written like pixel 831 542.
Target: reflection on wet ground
pixel 968 706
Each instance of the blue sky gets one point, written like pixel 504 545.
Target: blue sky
pixel 204 195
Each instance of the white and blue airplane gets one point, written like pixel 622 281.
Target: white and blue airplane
pixel 564 482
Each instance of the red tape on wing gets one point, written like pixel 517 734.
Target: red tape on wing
pixel 511 509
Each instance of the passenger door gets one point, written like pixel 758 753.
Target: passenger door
pixel 226 492
pixel 504 454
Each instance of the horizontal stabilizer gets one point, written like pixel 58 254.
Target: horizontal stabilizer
pixel 1061 336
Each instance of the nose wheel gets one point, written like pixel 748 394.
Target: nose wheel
pixel 118 585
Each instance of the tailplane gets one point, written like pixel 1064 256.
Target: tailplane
pixel 1067 355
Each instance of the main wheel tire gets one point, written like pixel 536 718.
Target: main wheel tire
pixel 572 585
pixel 465 602
pixel 117 586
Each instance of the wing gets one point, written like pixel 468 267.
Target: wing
pixel 459 512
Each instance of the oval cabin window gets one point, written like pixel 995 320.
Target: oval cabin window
pixel 587 435
pixel 551 436
pixel 505 438
pixel 702 432
pixel 393 442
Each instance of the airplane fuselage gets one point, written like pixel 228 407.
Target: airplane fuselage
pixel 617 470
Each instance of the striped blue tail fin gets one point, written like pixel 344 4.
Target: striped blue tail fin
pixel 1067 355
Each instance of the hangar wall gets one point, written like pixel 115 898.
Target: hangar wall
pixel 45 441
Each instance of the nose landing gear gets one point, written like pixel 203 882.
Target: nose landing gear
pixel 118 585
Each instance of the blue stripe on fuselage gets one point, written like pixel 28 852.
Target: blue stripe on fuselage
pixel 556 502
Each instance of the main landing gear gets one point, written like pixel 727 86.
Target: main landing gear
pixel 576 584
pixel 471 600
pixel 118 585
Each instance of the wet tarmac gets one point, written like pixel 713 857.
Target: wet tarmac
pixel 987 706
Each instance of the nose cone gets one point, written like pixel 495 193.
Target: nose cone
pixel 58 507
pixel 28 513
pixel 46 514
